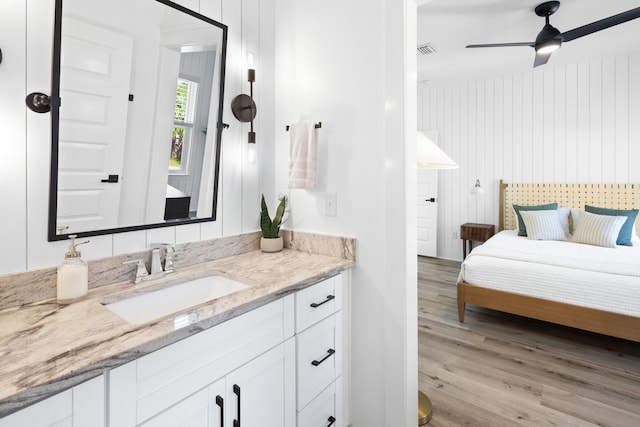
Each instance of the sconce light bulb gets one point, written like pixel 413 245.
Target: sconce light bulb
pixel 251 153
pixel 250 59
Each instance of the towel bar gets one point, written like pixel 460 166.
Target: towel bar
pixel 317 126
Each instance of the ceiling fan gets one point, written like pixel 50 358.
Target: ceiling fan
pixel 550 39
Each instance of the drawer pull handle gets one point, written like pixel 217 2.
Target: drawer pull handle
pixel 330 353
pixel 318 304
pixel 220 403
pixel 236 390
pixel 331 421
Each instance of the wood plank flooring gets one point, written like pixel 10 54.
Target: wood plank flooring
pixel 498 369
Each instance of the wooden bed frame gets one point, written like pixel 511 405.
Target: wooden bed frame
pixel 619 196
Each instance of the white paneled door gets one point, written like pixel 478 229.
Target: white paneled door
pixel 427 212
pixel 94 89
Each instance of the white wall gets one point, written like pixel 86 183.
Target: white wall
pixel 24 177
pixel 342 63
pixel 13 177
pixel 352 81
pixel 567 124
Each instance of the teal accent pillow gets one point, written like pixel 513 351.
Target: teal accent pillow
pixel 522 230
pixel 624 237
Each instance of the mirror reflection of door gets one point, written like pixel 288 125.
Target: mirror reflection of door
pixel 95 73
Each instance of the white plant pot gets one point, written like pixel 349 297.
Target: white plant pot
pixel 271 245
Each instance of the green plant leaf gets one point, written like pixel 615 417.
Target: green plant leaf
pixel 266 224
pixel 277 220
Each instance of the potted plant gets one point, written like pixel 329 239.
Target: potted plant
pixel 271 240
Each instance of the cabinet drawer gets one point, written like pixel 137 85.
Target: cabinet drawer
pixel 318 357
pixel 324 410
pixel 318 302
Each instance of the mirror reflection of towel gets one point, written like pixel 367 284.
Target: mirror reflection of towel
pixel 303 156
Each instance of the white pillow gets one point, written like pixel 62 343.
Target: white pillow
pixel 563 214
pixel 543 225
pixel 599 230
pixel 575 218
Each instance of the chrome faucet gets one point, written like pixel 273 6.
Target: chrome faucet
pixel 157 269
pixel 156 263
pixel 141 270
pixel 169 255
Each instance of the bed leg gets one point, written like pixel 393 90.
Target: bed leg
pixel 461 303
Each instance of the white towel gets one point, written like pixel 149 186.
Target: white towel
pixel 303 156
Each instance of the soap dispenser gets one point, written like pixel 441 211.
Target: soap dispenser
pixel 73 275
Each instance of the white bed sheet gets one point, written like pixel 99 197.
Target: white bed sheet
pixel 583 275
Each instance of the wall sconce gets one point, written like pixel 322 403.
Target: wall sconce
pixel 477 189
pixel 244 109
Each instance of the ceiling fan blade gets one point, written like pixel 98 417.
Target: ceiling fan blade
pixel 541 59
pixel 601 24
pixel 530 44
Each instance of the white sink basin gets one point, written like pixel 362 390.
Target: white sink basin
pixel 163 302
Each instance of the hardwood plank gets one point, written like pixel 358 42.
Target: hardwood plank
pixel 500 369
pixel 589 410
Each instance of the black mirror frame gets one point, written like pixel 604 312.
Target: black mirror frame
pixel 55 128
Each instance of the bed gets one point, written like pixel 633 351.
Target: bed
pixel 582 286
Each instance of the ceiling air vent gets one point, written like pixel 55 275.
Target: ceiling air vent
pixel 427 49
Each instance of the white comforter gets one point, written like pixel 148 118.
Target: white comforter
pixel 589 276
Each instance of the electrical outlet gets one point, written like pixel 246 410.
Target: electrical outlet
pixel 454 235
pixel 286 194
pixel 330 204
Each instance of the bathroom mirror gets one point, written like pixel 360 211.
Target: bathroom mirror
pixel 137 96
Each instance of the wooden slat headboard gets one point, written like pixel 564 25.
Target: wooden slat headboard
pixel 615 196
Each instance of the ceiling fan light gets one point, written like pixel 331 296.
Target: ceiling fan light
pixel 548 47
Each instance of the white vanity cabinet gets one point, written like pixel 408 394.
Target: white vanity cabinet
pixel 256 394
pixel 246 361
pixel 321 354
pixel 80 406
pixel 284 364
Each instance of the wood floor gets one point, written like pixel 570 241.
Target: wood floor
pixel 503 370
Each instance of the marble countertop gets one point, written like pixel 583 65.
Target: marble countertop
pixel 46 348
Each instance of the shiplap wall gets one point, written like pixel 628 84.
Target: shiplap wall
pixel 566 124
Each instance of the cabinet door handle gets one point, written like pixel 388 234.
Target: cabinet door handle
pixel 318 304
pixel 330 353
pixel 220 403
pixel 236 391
pixel 331 421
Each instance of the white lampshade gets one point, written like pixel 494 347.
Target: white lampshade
pixel 430 156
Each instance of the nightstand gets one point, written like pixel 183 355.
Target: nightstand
pixel 470 232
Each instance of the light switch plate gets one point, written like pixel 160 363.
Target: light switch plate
pixel 331 204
